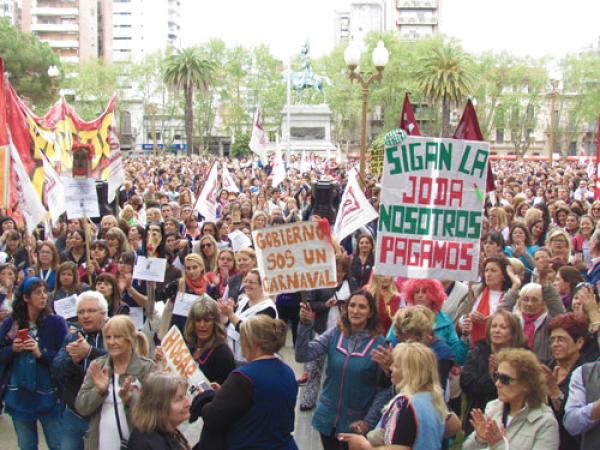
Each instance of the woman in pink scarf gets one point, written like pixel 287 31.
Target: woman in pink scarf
pixel 536 305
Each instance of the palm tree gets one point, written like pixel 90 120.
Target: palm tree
pixel 188 69
pixel 444 76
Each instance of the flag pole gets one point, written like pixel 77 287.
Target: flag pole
pixel 288 144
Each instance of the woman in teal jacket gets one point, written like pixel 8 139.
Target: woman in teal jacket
pixel 351 399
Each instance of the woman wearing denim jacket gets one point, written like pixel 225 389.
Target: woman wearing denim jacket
pixel 29 341
pixel 351 400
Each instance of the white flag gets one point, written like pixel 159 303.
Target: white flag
pixel 207 200
pixel 227 181
pixel 29 203
pixel 116 174
pixel 304 165
pixel 258 141
pixel 355 210
pixel 278 170
pixel 54 191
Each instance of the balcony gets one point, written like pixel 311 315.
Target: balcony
pixel 63 12
pixel 62 44
pixel 417 4
pixel 417 21
pixel 55 27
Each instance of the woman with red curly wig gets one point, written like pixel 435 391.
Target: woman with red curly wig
pixel 431 294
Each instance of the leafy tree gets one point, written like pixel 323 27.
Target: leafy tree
pixel 241 146
pixel 579 102
pixel 188 69
pixel 93 86
pixel 234 94
pixel 26 60
pixel 444 77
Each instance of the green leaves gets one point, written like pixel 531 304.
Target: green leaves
pixel 26 60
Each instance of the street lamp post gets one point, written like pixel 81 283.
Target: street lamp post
pixel 352 58
pixel 552 136
pixel 151 108
pixel 53 73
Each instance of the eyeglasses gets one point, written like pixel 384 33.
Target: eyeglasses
pixel 503 378
pixel 206 245
pixel 528 299
pixel 558 242
pixel 83 312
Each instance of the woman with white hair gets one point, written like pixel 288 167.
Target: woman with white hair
pixel 536 304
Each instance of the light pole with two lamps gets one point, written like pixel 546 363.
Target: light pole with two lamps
pixel 381 57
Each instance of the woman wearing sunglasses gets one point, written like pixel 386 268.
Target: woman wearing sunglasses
pixel 503 330
pixel 519 419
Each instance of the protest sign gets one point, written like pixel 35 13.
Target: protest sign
pixel 431 208
pixel 150 269
pixel 81 198
pixel 295 257
pixel 178 359
pixel 376 161
pixel 66 307
pixel 184 302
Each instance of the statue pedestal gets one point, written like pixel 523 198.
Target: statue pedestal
pixel 310 127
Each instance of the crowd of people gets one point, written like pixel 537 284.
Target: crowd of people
pixel 508 362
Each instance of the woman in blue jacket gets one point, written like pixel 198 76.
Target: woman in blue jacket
pixel 29 341
pixel 351 399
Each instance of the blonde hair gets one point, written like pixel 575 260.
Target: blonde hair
pixel 122 325
pixel 118 234
pixel 193 257
pixel 417 321
pixel 151 411
pixel 501 220
pixel 529 373
pixel 558 232
pixel 209 264
pixel 517 265
pixel 263 333
pixel 419 373
pixel 533 215
pixel 376 289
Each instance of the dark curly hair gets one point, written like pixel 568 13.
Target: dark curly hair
pixel 20 313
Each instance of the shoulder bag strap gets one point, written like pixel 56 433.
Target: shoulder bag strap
pixel 116 406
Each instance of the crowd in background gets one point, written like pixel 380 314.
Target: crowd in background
pixel 509 361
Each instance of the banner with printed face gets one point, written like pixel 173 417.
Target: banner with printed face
pixel 295 257
pixel 431 208
pixel 178 359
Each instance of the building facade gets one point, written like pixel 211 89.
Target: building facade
pixel 70 27
pixel 415 19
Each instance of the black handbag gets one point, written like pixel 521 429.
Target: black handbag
pixel 114 391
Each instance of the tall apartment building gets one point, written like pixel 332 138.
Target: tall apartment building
pixel 140 27
pixel 70 27
pixel 115 30
pixel 361 18
pixel 417 19
pixel 10 10
pixel 411 19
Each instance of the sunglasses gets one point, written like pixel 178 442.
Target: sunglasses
pixel 206 245
pixel 503 378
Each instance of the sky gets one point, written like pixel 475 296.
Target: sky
pixel 524 27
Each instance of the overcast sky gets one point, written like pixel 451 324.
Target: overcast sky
pixel 524 27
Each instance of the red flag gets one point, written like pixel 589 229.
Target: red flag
pixel 597 189
pixel 468 128
pixel 407 120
